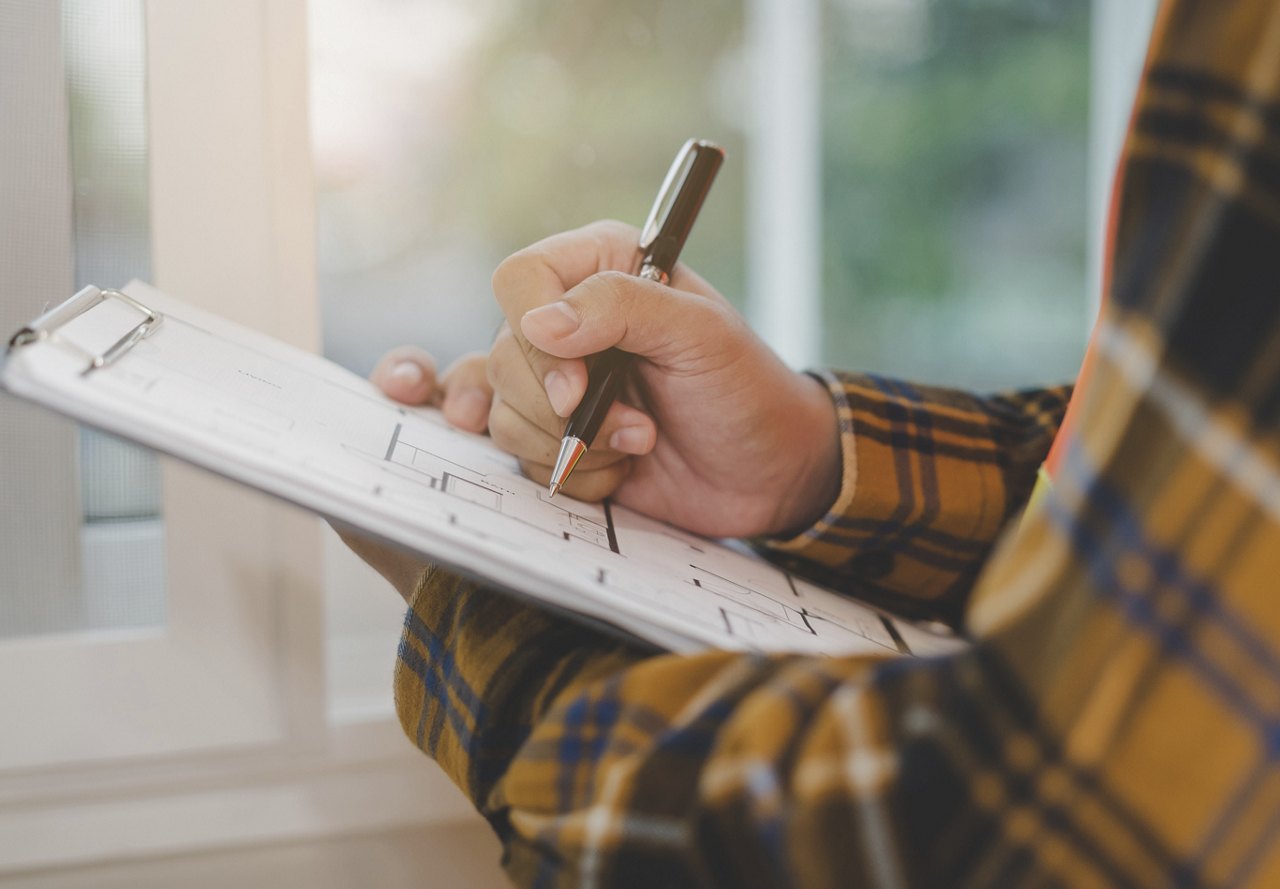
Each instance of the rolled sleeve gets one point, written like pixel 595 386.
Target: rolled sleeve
pixel 930 478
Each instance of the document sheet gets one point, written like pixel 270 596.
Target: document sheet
pixel 290 423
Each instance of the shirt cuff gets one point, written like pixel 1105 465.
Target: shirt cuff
pixel 809 542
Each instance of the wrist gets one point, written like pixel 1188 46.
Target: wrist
pixel 818 459
pixel 401 569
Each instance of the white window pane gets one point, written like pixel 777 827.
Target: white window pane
pixel 83 541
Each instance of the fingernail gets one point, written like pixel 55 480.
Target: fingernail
pixel 557 386
pixel 555 320
pixel 470 408
pixel 630 439
pixel 407 372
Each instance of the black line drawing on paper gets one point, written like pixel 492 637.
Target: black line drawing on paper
pixel 826 626
pixel 472 492
pixel 750 598
pixel 395 437
pixel 531 508
pixel 743 625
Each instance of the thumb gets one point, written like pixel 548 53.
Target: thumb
pixel 634 314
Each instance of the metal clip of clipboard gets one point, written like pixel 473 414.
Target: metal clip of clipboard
pixel 45 328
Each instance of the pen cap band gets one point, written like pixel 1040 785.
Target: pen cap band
pixel 651 272
pixel 679 201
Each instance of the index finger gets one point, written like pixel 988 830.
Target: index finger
pixel 542 274
pixel 545 271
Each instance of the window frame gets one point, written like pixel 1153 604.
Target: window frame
pixel 162 691
pixel 214 730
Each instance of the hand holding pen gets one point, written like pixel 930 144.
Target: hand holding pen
pixel 724 440
pixel 661 240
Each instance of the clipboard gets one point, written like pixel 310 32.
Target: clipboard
pixel 140 364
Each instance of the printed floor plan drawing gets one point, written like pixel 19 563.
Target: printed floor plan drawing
pixel 517 499
pixel 769 609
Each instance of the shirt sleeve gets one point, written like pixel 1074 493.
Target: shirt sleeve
pixel 931 476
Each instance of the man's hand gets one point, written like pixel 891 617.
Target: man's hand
pixel 409 375
pixel 462 392
pixel 717 435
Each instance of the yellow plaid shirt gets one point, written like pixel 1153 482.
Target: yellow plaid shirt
pixel 1117 719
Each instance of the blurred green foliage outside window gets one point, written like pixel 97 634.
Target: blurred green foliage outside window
pixel 954 172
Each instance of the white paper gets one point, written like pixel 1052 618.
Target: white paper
pixel 295 425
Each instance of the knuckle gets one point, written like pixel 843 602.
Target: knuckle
pixel 472 360
pixel 518 435
pixel 504 426
pixel 504 341
pixel 538 472
pixel 607 291
pixel 509 348
pixel 715 313
pixel 613 282
pixel 505 359
pixel 596 485
pixel 508 271
pixel 468 370
pixel 598 458
pixel 613 229
pixel 475 370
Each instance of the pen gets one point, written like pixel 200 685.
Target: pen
pixel 661 240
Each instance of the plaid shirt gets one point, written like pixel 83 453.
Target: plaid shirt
pixel 1116 721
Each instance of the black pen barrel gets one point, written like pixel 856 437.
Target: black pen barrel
pixel 606 373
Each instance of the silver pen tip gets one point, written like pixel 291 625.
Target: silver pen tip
pixel 571 451
pixel 553 489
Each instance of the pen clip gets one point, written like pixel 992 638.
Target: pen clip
pixel 683 190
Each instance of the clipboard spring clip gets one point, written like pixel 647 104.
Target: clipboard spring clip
pixel 45 328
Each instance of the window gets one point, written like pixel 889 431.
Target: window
pixel 205 725
pixel 77 169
